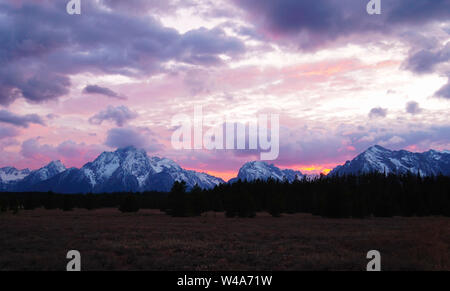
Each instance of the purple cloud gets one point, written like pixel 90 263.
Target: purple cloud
pixel 40 37
pixel 6 132
pixel 123 137
pixel 120 115
pixel 378 112
pixel 95 89
pixel 426 60
pixel 144 6
pixel 314 23
pixel 413 108
pixel 20 120
pixel 444 92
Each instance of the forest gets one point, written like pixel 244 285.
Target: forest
pixel 354 196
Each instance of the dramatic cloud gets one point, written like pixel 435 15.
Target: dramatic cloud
pixel 39 37
pixel 17 120
pixel 95 89
pixel 319 64
pixel 120 115
pixel 314 23
pixel 123 137
pixel 413 108
pixel 378 112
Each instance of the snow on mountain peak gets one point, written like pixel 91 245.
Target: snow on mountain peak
pixel 57 166
pixel 379 159
pixel 131 168
pixel 161 164
pixel 260 170
pixel 129 161
pixel 51 169
pixel 11 174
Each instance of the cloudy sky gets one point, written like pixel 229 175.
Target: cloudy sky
pixel 72 86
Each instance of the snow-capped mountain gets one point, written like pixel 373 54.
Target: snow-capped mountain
pixel 379 159
pixel 259 170
pixel 25 180
pixel 10 175
pixel 44 173
pixel 126 169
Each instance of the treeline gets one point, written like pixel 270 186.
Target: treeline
pixel 127 202
pixel 369 195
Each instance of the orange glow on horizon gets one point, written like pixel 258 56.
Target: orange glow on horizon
pixel 305 169
pixel 326 171
pixel 315 169
pixel 224 175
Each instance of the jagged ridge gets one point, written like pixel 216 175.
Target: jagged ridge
pixel 382 160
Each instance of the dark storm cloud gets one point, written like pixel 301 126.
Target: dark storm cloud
pixel 335 18
pixel 120 115
pixel 41 46
pixel 20 120
pixel 95 89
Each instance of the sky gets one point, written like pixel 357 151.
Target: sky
pixel 341 80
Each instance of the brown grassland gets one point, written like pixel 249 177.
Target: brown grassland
pixel 151 240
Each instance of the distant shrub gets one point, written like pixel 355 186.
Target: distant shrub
pixel 89 202
pixel 67 203
pixel 30 203
pixel 129 204
pixel 3 206
pixel 178 201
pixel 50 201
pixel 14 206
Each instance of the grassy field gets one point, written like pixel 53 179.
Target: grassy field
pixel 150 240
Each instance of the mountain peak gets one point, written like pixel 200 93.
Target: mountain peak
pixel 11 174
pixel 260 170
pixel 377 149
pixel 56 165
pixel 381 160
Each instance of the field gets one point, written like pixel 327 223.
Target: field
pixel 151 240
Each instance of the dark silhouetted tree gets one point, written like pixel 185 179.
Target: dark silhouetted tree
pixel 178 202
pixel 129 204
pixel 67 203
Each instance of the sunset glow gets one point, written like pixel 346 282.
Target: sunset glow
pixel 72 86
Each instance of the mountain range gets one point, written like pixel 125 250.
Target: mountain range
pixel 382 160
pixel 259 170
pixel 131 169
